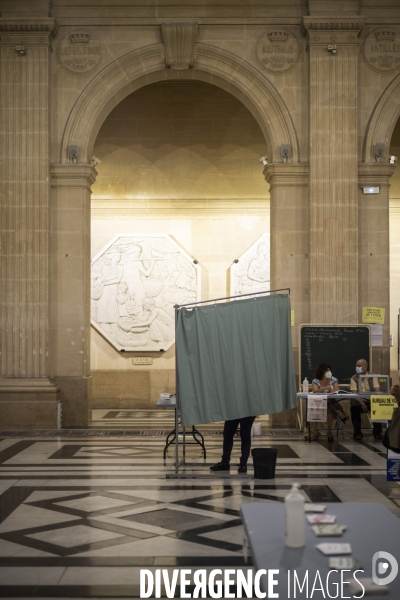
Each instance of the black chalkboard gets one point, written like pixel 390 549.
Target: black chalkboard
pixel 339 346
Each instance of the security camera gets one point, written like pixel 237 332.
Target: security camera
pixel 393 159
pixel 95 161
pixel 74 152
pixel 263 160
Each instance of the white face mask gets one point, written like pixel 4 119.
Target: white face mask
pixel 328 374
pixel 359 370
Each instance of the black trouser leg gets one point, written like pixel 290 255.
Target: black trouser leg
pixel 229 431
pixel 245 435
pixel 377 428
pixel 355 411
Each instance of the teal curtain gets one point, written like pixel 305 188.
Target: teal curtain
pixel 235 359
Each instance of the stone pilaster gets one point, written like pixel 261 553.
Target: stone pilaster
pixel 25 48
pixel 70 290
pixel 373 251
pixel 290 249
pixel 333 50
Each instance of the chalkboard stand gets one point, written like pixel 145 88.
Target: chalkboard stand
pixel 337 345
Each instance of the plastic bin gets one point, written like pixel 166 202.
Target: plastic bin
pixel 264 461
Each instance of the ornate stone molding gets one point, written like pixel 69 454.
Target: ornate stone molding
pixel 72 175
pixel 179 40
pixel 14 32
pixel 377 174
pixel 286 175
pixel 329 24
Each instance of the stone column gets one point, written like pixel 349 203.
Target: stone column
pixel 373 251
pixel 27 398
pixel 333 49
pixel 70 289
pixel 290 249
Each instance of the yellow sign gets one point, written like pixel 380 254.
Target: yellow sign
pixel 382 407
pixel 292 318
pixel 371 314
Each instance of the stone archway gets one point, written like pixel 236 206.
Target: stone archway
pixel 71 188
pixel 147 65
pixel 383 120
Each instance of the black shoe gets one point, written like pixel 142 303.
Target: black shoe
pixel 358 437
pixel 220 467
pixel 378 436
pixel 242 469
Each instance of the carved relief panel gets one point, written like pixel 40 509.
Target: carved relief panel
pixel 135 282
pixel 251 272
pixel 381 50
pixel 277 51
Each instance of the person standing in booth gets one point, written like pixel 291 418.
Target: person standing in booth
pixel 230 428
pixel 360 405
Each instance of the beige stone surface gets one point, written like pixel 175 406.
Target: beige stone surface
pixel 179 152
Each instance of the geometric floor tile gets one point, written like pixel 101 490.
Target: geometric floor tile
pixel 77 535
pixel 94 503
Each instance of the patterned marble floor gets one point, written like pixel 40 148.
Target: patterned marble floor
pixel 80 515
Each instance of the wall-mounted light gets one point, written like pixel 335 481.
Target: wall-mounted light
pixel 285 151
pixel 263 160
pixel 393 159
pixel 20 50
pixel 73 152
pixel 379 150
pixel 371 190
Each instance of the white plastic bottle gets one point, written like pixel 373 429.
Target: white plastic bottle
pixel 305 386
pixel 294 518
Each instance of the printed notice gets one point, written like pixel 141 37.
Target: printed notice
pixel 382 407
pixel 317 406
pixel 372 314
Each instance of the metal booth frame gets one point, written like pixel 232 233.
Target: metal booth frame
pixel 179 462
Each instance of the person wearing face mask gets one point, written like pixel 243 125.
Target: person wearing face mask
pixel 359 405
pixel 325 383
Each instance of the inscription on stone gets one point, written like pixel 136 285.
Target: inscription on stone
pixel 135 282
pixel 277 51
pixel 381 50
pixel 80 52
pixel 142 360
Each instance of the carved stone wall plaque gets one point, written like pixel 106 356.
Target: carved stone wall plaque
pixel 252 271
pixel 80 52
pixel 277 51
pixel 135 282
pixel 381 50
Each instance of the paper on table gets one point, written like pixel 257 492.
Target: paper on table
pixel 331 549
pixel 314 507
pixel 369 585
pixel 321 518
pixel 345 563
pixel 328 530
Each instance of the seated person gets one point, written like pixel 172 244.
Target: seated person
pixel 325 383
pixel 359 405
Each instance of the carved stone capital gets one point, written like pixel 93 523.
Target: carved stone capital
pixel 179 40
pixel 342 30
pixel 26 32
pixel 375 174
pixel 72 175
pixel 286 174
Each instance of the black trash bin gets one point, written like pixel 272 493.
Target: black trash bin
pixel 264 461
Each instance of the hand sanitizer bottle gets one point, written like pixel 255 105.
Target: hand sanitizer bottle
pixel 305 386
pixel 294 518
